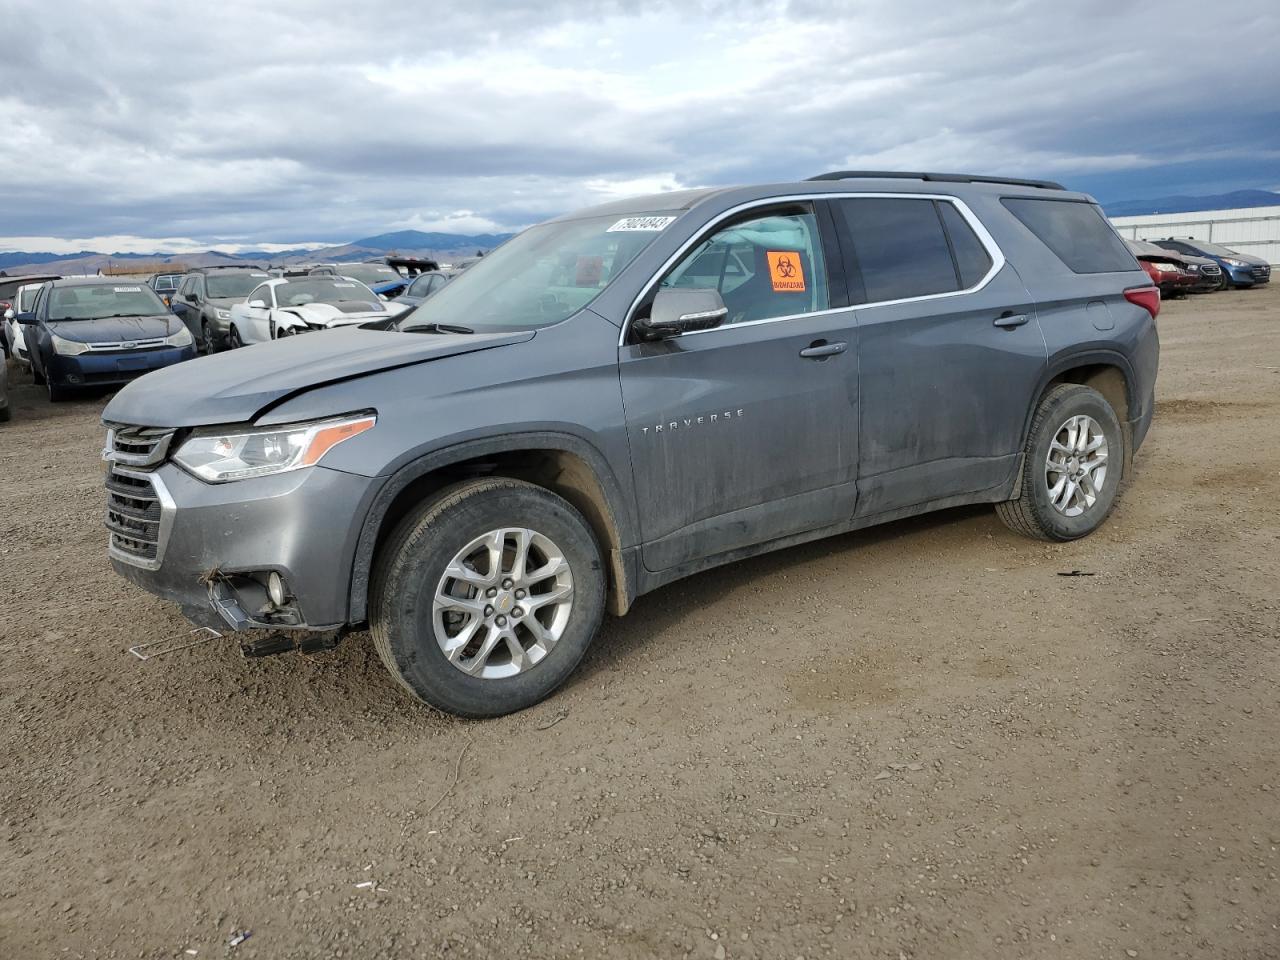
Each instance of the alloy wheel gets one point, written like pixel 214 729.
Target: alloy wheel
pixel 503 603
pixel 1076 467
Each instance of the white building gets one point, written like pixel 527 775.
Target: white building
pixel 1253 230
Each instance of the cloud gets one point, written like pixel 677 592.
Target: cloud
pixel 298 121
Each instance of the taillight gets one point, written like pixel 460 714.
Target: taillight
pixel 1146 297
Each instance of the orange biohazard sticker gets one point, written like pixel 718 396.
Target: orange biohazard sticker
pixel 786 271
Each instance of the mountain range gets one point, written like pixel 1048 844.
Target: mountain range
pixel 1221 201
pixel 410 243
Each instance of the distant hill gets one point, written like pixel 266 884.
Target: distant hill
pixel 409 243
pixel 1221 201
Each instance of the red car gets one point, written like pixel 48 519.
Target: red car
pixel 1165 269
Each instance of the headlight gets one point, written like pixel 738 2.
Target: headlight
pixel 1234 263
pixel 180 339
pixel 218 458
pixel 222 314
pixel 1166 267
pixel 68 348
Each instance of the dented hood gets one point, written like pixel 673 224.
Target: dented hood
pixel 235 386
pixel 330 315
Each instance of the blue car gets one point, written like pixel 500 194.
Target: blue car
pixel 1238 269
pixel 96 331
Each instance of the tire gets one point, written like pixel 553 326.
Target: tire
pixel 1033 512
pixel 56 393
pixel 37 375
pixel 233 339
pixel 411 569
pixel 206 339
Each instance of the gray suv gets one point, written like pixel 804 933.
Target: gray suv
pixel 204 299
pixel 631 394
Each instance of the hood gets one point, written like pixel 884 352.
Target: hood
pixel 233 387
pixel 114 329
pixel 1250 259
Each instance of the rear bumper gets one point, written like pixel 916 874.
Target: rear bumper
pixel 90 369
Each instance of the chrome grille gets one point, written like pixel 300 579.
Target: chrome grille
pixel 137 446
pixel 1211 270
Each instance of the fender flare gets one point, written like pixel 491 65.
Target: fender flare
pixel 362 563
pixel 1084 358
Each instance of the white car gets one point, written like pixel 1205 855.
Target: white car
pixel 23 300
pixel 285 306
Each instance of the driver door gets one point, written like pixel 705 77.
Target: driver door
pixel 745 433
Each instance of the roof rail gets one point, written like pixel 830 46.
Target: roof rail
pixel 936 177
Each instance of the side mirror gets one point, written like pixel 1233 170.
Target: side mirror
pixel 189 297
pixel 678 310
pixel 9 314
pixel 26 319
pixel 256 305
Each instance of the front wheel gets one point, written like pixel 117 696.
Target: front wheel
pixel 1071 467
pixel 487 596
pixel 233 338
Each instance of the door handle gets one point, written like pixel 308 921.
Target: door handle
pixel 1009 319
pixel 820 349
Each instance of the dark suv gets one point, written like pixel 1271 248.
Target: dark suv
pixel 630 394
pixel 204 300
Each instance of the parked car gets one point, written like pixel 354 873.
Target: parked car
pixel 381 278
pixel 97 331
pixel 204 300
pixel 283 307
pixel 1240 269
pixel 422 286
pixel 165 285
pixel 5 411
pixel 1165 269
pixel 8 295
pixel 596 409
pixel 22 300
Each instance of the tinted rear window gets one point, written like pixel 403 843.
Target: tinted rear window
pixel 1076 231
pixel 901 249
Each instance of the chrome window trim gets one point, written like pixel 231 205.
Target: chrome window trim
pixel 167 510
pixel 984 237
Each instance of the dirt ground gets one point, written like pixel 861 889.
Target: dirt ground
pixel 918 741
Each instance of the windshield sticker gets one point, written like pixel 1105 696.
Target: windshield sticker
pixel 785 271
pixel 641 223
pixel 589 272
pixel 127 289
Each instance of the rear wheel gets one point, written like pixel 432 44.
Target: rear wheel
pixel 1071 468
pixel 487 596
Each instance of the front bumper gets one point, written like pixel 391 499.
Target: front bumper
pixel 95 369
pixel 1248 276
pixel 302 525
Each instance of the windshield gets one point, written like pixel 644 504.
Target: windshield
pixel 543 276
pixel 370 273
pixel 226 286
pixel 1213 248
pixel 94 301
pixel 297 293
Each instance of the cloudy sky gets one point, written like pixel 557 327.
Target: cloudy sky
pixel 180 126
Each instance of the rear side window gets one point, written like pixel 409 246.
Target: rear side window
pixel 1074 230
pixel 972 259
pixel 901 248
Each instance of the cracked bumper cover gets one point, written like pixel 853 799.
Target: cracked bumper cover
pixel 303 525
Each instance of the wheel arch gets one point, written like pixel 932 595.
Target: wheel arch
pixel 1107 371
pixel 562 463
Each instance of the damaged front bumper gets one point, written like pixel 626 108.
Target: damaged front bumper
pixel 220 543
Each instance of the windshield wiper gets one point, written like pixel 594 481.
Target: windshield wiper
pixel 436 328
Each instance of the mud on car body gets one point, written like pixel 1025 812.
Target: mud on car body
pixel 628 395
